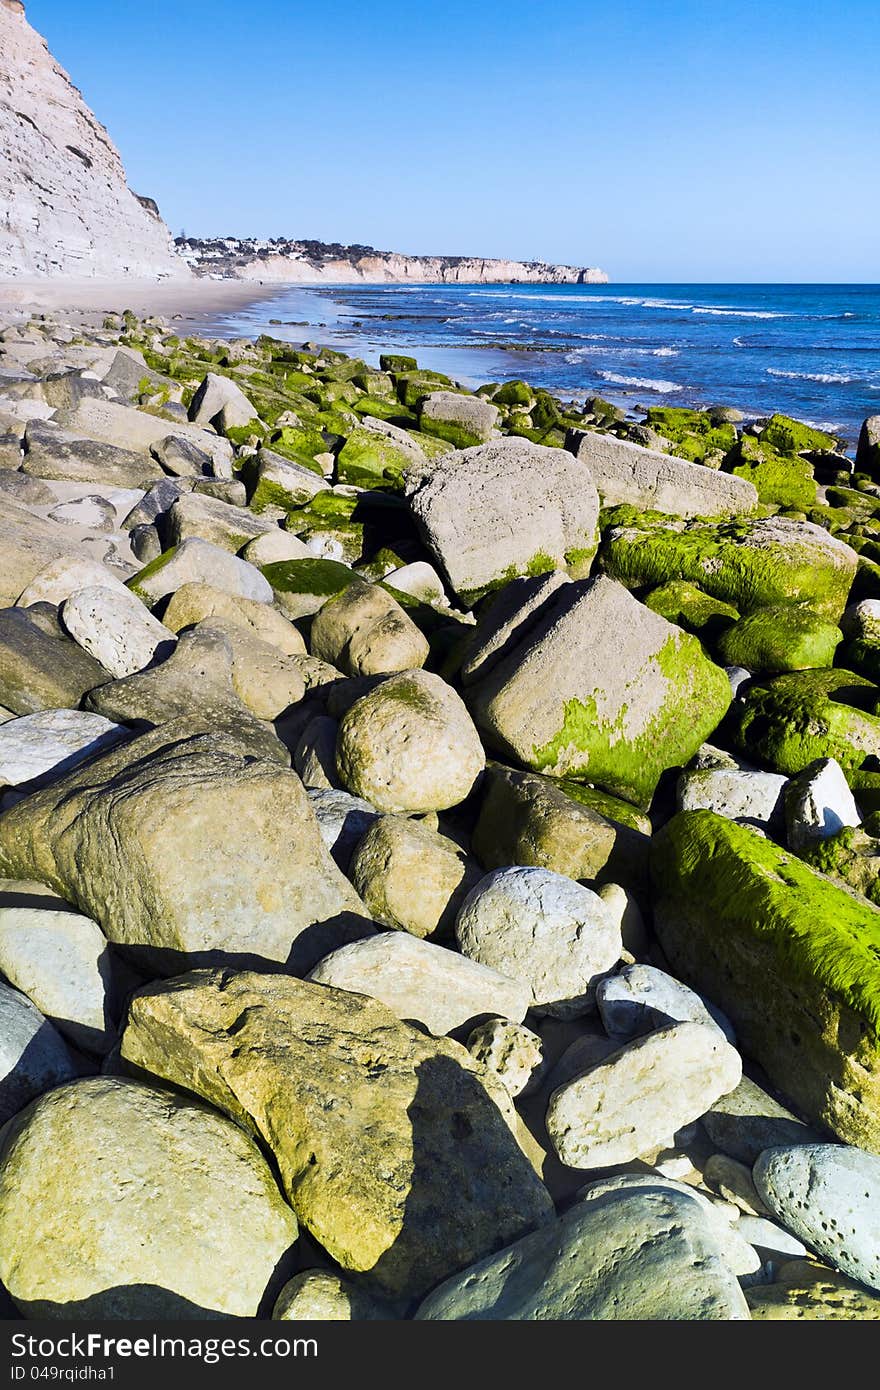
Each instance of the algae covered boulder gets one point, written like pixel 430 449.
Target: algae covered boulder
pixel 505 509
pixel 791 958
pixel 798 717
pixel 120 1200
pixel 683 603
pixel 604 690
pixel 461 420
pixel 787 637
pixel 750 564
pixel 390 1148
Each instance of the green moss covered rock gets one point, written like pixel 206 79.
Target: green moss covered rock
pixel 792 959
pixel 781 480
pixel 794 719
pixel 368 459
pixel 786 637
pixel 788 436
pixel 302 586
pixel 693 433
pixel 749 564
pixel 684 604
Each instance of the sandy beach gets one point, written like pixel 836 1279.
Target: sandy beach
pixel 191 298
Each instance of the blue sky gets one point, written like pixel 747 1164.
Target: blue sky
pixel 665 141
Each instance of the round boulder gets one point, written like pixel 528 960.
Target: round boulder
pixel 409 745
pixel 542 928
pixel 118 1200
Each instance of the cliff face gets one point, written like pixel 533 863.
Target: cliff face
pixel 311 263
pixel 65 207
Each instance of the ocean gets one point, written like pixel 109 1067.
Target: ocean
pixel 811 351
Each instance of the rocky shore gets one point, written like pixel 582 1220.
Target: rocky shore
pixel 440 844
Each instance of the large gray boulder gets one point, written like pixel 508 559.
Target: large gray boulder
pixel 505 509
pixel 651 481
pixel 53 452
pixel 33 1055
pixel 602 689
pixel 646 1254
pixel 61 961
pixel 217 397
pixel 39 672
pixel 197 561
pixel 186 849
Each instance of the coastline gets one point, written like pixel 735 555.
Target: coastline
pixel 192 299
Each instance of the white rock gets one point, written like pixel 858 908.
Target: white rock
pixel 423 982
pixel 514 1053
pixel 199 561
pixel 342 819
pixel 117 629
pixel 818 803
pixel 641 998
pixel 828 1195
pixel 770 1240
pixel 420 580
pixel 632 1103
pixel 544 929
pixel 62 577
pixel 54 738
pixel 862 620
pixel 751 796
pixel 61 961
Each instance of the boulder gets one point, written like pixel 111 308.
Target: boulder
pixel 52 742
pixel 640 1255
pixel 390 1148
pixel 505 619
pixel 192 602
pixel 278 485
pixel 198 561
pixel 805 1289
pixel 195 682
pixel 119 1200
pixel 53 452
pixel 653 481
pixel 114 627
pixel 63 576
pixel 244 877
pixel 33 1056
pixel 756 797
pixel 512 1051
pixel 209 519
pixel 818 803
pixel 410 878
pixel 220 395
pixel 529 819
pixel 794 720
pixel 786 637
pixel 868 450
pixel 543 929
pixel 39 672
pixel 791 958
pixel 182 458
pixel 748 1120
pixel 136 429
pixel 461 420
pixel 409 745
pixel 749 564
pixel 301 587
pixel 641 998
pixel 423 983
pixel 314 753
pixel 829 1196
pixel 634 1101
pixel 321 1295
pixel 28 544
pixel 60 960
pixel 267 680
pixel 343 821
pixel 505 509
pixel 363 631
pixel 618 714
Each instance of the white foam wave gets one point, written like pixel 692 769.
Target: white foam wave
pixel 739 313
pixel 663 388
pixel 826 378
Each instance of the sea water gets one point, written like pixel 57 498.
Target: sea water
pixel 812 351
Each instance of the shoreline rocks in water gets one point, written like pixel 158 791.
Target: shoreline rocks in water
pixel 470 797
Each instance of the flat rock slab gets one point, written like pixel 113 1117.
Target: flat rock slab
pixel 55 740
pixel 39 672
pixel 119 1200
pixel 829 1196
pixel 647 1255
pixel 389 1147
pixel 422 982
pixel 146 842
pixel 651 481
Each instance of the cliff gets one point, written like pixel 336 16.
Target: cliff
pixel 65 206
pixel 309 262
